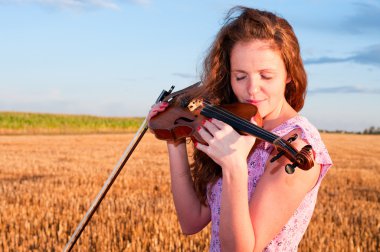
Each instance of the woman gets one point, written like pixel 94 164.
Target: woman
pixel 253 204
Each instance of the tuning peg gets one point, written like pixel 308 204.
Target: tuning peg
pixel 292 138
pixel 277 156
pixel 289 168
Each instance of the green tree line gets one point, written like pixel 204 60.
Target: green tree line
pixel 372 130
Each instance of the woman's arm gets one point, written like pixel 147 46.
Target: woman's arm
pixel 276 198
pixel 251 226
pixel 278 195
pixel 193 216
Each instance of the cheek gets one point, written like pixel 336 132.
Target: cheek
pixel 276 89
pixel 238 91
pixel 233 87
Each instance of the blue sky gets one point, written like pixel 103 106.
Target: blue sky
pixel 113 57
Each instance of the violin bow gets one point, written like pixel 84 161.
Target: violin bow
pixel 112 177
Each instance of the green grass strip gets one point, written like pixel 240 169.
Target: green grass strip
pixel 31 123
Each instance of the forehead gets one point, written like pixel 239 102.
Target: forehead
pixel 255 51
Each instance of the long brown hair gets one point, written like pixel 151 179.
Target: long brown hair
pixel 245 24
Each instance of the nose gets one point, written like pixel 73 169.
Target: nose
pixel 253 86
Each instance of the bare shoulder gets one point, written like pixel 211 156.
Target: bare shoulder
pixel 301 179
pixel 278 194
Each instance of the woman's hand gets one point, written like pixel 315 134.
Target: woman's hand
pixel 225 146
pixel 157 108
pixel 154 111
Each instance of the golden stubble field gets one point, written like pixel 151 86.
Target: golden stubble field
pixel 48 182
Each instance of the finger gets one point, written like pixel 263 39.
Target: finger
pixel 220 125
pixel 253 120
pixel 205 134
pixel 211 127
pixel 162 108
pixel 201 147
pixel 164 104
pixel 160 104
pixel 156 108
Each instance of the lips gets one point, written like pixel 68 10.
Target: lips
pixel 255 101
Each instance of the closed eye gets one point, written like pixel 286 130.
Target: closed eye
pixel 266 77
pixel 239 78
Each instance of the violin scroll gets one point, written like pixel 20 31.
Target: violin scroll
pixel 301 159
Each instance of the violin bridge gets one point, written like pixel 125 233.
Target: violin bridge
pixel 195 104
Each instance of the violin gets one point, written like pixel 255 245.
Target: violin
pixel 181 121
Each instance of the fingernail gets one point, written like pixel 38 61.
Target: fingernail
pixel 203 122
pixel 195 143
pixel 199 128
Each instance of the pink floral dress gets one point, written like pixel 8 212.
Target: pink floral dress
pixel 291 234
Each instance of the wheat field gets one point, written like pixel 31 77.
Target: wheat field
pixel 47 183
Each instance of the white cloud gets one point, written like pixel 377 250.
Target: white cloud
pixel 141 2
pixel 78 4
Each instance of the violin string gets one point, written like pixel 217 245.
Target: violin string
pixel 261 132
pixel 236 119
pixel 270 137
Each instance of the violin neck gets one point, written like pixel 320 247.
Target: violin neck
pixel 243 125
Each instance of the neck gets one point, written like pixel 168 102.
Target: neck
pixel 281 114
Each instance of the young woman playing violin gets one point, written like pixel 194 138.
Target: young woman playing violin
pixel 252 203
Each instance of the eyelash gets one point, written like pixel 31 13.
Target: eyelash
pixel 266 77
pixel 240 78
pixel 262 76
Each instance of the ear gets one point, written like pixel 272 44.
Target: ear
pixel 288 79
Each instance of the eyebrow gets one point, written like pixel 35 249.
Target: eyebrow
pixel 272 70
pixel 237 70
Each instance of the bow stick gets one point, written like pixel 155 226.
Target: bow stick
pixel 115 172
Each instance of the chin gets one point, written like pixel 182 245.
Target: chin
pixel 261 113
